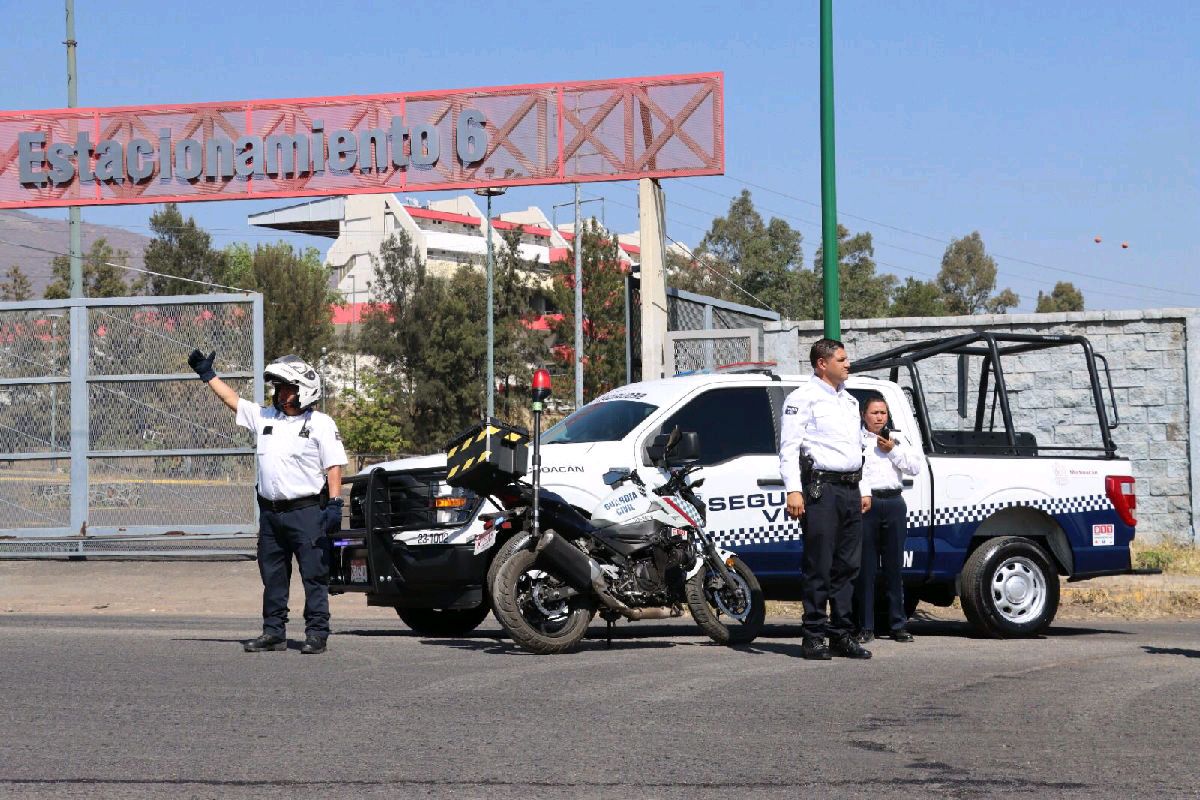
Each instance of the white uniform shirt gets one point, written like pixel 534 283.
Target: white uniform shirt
pixel 886 470
pixel 292 452
pixel 824 423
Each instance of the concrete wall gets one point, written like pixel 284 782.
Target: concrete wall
pixel 1154 356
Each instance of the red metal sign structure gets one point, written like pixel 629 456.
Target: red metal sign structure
pixel 623 129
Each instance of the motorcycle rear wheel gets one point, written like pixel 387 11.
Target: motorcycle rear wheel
pixel 535 625
pixel 728 616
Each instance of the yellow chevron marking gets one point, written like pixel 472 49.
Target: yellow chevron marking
pixel 452 450
pixel 484 456
pixel 450 474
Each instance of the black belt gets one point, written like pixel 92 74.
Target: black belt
pixel 829 476
pixel 886 493
pixel 288 505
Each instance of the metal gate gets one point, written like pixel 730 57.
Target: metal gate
pixel 705 332
pixel 105 430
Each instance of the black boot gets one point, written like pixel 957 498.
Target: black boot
pixel 313 645
pixel 265 644
pixel 846 647
pixel 815 650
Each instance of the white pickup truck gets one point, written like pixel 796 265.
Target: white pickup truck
pixel 995 516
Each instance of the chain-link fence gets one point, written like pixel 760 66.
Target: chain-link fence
pixel 104 429
pixel 705 332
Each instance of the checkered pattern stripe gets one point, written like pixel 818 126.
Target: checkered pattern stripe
pixel 767 534
pixel 959 515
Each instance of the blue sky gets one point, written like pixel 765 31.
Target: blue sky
pixel 1041 125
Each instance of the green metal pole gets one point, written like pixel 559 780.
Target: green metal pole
pixel 829 271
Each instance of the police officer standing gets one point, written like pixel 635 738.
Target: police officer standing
pixel 298 450
pixel 888 459
pixel 820 459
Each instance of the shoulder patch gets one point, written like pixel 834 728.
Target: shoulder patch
pixel 791 409
pixel 337 435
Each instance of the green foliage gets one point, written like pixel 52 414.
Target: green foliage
pixel 863 294
pixel 15 285
pixel 915 298
pixel 297 300
pixel 763 258
pixel 181 248
pixel 103 275
pixel 603 314
pixel 369 420
pixel 1064 297
pixel 968 278
pixel 427 335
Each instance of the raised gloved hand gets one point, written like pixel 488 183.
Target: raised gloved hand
pixel 331 517
pixel 203 365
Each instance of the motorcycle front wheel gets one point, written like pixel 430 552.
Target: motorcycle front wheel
pixel 524 602
pixel 728 614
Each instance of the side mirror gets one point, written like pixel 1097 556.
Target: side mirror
pixel 657 448
pixel 615 476
pixel 686 449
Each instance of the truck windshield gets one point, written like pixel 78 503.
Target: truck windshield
pixel 609 421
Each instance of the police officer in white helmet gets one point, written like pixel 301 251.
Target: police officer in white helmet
pixel 298 451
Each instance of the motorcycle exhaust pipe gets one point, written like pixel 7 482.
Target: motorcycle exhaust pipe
pixel 654 613
pixel 571 564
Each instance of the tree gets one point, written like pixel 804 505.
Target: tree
pixel 603 311
pixel 968 278
pixel 863 294
pixel 1064 297
pixel 916 298
pixel 181 248
pixel 15 285
pixel 517 346
pixel 103 274
pixel 764 259
pixel 297 300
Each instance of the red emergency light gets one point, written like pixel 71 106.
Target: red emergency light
pixel 541 385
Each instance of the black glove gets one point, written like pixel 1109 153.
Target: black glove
pixel 203 364
pixel 331 517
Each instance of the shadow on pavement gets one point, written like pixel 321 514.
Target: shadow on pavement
pixel 1171 651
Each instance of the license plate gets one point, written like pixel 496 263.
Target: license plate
pixel 358 570
pixel 484 540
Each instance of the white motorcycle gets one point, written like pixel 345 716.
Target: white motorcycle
pixel 643 554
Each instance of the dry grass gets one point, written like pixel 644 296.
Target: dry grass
pixel 1172 556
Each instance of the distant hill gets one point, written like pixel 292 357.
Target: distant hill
pixel 18 228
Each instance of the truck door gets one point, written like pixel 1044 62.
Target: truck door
pixel 738 448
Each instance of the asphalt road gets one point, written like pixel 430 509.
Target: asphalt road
pixel 151 707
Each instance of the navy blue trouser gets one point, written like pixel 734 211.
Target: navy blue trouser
pixel 832 550
pixel 884 529
pixel 298 533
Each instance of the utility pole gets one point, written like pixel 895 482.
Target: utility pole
pixel 578 305
pixel 829 249
pixel 489 193
pixel 75 221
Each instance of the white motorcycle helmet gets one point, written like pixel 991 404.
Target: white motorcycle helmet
pixel 297 372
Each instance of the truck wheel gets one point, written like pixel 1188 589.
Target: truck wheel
pixel 729 615
pixel 1009 588
pixel 443 621
pixel 506 550
pixel 534 618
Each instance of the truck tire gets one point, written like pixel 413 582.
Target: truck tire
pixel 506 550
pixel 537 626
pixel 443 621
pixel 1009 588
pixel 715 611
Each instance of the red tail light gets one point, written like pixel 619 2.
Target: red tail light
pixel 1119 489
